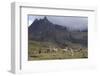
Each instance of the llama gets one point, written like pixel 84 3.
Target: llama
pixel 55 49
pixel 72 52
pixel 66 49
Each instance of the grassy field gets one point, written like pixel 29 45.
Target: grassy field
pixel 39 51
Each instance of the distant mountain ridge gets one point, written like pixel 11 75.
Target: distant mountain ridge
pixel 44 30
pixel 42 24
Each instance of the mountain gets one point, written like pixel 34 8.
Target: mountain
pixel 44 30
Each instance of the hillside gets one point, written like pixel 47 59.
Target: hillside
pixel 44 30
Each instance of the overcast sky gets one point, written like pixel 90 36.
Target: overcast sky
pixel 73 22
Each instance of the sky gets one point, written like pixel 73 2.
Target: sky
pixel 73 22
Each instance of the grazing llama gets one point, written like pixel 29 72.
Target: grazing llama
pixel 65 50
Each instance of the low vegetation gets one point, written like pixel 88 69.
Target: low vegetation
pixel 47 51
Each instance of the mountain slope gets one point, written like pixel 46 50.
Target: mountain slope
pixel 44 30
